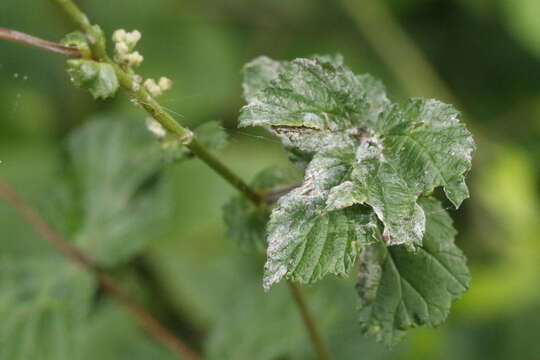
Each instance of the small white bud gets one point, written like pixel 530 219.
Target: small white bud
pixel 121 48
pixel 136 82
pixel 155 128
pixel 165 83
pixel 149 83
pixel 132 38
pixel 153 88
pixel 119 35
pixel 134 59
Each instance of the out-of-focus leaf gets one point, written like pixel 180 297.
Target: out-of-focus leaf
pixel 113 334
pixel 43 305
pixel 401 289
pixel 212 135
pixel 122 201
pixel 246 223
pixel 239 334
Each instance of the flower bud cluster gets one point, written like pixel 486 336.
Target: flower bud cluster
pixel 157 88
pixel 124 43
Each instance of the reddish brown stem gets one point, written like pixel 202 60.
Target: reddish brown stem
pixel 147 320
pixel 19 37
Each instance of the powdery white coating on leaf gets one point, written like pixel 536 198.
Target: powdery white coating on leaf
pixel 399 289
pixel 258 73
pixel 359 149
pixel 343 196
pixel 429 145
pixel 392 200
pixel 307 242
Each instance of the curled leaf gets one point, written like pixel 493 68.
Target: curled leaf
pixel 99 78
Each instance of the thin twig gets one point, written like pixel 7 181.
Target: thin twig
pixel 310 325
pixel 147 320
pixel 19 37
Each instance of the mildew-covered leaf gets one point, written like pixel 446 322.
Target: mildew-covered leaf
pixel 357 146
pixel 258 74
pixel 400 289
pixel 306 241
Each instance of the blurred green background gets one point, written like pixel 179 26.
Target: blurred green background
pixel 487 52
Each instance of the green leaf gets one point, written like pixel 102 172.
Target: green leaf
pixel 246 223
pixel 306 239
pixel 44 301
pixel 212 135
pixel 258 74
pixel 122 202
pixel 360 149
pixel 401 289
pixel 99 78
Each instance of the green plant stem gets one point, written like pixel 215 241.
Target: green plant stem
pixel 310 325
pixel 141 97
pixel 55 239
